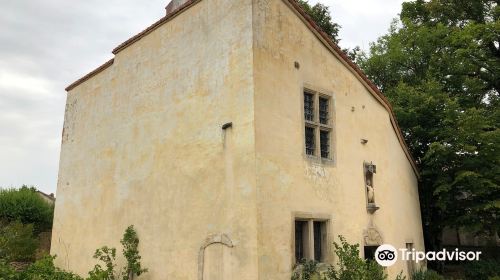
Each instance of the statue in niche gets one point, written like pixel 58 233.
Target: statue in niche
pixel 370 192
pixel 369 170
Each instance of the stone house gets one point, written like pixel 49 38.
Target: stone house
pixel 238 139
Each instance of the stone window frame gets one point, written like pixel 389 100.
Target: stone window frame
pixel 311 218
pixel 318 126
pixel 411 265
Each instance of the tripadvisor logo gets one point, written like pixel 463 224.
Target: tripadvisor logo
pixel 387 255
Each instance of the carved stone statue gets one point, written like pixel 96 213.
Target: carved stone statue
pixel 369 170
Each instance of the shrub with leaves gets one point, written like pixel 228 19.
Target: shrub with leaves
pixel 44 269
pixel 130 243
pixel 351 267
pixel 107 256
pixel 306 270
pixel 7 272
pixel 26 205
pixel 17 242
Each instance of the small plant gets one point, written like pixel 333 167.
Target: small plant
pixel 44 269
pixel 17 242
pixel 130 243
pixel 7 272
pixel 108 257
pixel 349 266
pixel 306 270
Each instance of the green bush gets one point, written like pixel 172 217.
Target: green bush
pixel 130 243
pixel 7 272
pixel 349 266
pixel 17 242
pixel 306 270
pixel 108 257
pixel 44 269
pixel 26 205
pixel 482 270
pixel 427 275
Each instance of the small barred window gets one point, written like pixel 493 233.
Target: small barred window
pixel 310 147
pixel 324 138
pixel 309 106
pixel 323 110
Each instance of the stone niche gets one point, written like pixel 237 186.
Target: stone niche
pixel 370 170
pixel 215 258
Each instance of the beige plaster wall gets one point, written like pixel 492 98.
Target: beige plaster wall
pixel 288 181
pixel 143 145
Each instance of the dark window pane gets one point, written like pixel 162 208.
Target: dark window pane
pixel 370 252
pixel 309 107
pixel 324 138
pixel 318 241
pixel 299 240
pixel 310 140
pixel 323 110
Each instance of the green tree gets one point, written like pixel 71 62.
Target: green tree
pixel 322 17
pixel 439 65
pixel 26 205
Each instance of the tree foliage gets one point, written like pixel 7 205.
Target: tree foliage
pixel 26 205
pixel 440 67
pixel 322 17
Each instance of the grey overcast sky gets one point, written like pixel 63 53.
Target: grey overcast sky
pixel 45 45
